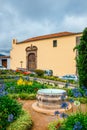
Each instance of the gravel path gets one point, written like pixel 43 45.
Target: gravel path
pixel 40 120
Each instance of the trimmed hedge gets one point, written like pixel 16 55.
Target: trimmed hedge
pixel 25 96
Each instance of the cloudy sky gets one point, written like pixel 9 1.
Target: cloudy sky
pixel 22 19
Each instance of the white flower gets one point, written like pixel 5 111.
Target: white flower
pixel 76 103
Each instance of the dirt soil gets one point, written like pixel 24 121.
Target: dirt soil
pixel 41 120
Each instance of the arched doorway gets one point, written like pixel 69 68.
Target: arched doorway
pixel 31 57
pixel 31 61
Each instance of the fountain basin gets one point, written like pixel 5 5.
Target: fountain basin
pixel 49 101
pixel 50 98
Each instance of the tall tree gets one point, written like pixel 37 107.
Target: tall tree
pixel 82 59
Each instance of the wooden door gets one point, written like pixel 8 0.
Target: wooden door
pixel 31 61
pixel 4 63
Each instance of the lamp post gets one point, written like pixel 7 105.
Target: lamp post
pixel 21 63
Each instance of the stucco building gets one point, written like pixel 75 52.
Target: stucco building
pixel 5 61
pixel 53 51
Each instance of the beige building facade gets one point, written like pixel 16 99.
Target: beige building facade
pixel 53 51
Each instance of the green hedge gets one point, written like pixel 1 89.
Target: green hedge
pixel 24 122
pixel 25 96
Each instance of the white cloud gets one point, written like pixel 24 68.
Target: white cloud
pixel 31 28
pixel 75 22
pixel 25 19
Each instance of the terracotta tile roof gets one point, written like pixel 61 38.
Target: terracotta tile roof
pixel 61 34
pixel 4 57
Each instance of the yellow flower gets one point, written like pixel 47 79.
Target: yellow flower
pixel 20 81
pixel 24 82
pixel 30 83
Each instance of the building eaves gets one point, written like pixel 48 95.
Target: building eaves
pixel 49 36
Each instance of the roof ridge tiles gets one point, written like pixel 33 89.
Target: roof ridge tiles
pixel 48 36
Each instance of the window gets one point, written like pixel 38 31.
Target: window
pixel 78 40
pixel 54 43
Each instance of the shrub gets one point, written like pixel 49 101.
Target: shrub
pixel 24 122
pixel 27 96
pixel 82 59
pixel 23 87
pixel 39 72
pixel 54 125
pixel 76 121
pixel 14 96
pixel 9 111
pixel 82 100
pixel 77 92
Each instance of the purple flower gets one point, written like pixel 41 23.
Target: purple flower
pixel 75 90
pixel 63 115
pixel 10 117
pixel 77 126
pixel 56 112
pixel 71 100
pixel 75 95
pixel 64 105
pixel 2 91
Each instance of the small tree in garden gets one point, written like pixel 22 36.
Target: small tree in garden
pixel 82 59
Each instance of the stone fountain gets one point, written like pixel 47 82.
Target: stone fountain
pixel 49 101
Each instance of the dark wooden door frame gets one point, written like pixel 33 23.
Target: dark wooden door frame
pixel 4 62
pixel 31 50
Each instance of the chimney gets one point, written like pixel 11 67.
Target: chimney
pixel 14 41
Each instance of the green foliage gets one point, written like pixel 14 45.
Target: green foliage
pixel 14 96
pixel 8 107
pixel 70 122
pixel 82 59
pixel 27 96
pixel 55 125
pixel 72 119
pixel 50 77
pixel 7 72
pixel 39 72
pixel 52 125
pixel 24 122
pixel 12 87
pixel 82 100
pixel 69 92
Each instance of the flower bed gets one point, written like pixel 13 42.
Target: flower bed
pixel 24 122
pixel 10 111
